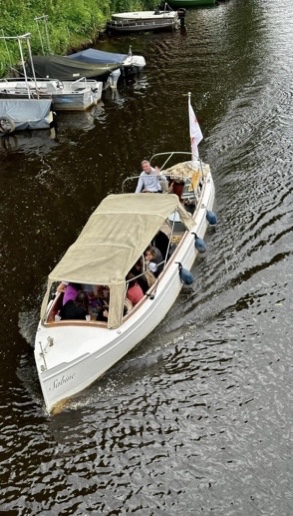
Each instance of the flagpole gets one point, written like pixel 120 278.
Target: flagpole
pixel 189 104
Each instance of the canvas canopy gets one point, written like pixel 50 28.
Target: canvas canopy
pixel 91 55
pixel 28 113
pixel 112 241
pixel 62 68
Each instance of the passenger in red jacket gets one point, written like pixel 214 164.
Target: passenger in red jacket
pixel 134 291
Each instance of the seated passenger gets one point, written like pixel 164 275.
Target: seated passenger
pixel 154 259
pixel 176 186
pixel 144 279
pixel 134 291
pixel 149 179
pixel 150 263
pixel 77 309
pixel 70 291
pixel 91 290
pixel 102 303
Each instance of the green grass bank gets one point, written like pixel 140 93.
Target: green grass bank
pixel 71 24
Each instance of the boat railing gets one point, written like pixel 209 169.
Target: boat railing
pixel 79 80
pixel 20 39
pixel 167 8
pixel 169 156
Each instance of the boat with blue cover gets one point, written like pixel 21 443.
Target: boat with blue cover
pixel 130 63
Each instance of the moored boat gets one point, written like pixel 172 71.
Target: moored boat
pixel 142 25
pixel 64 69
pixel 77 95
pixel 71 354
pixel 138 21
pixel 130 63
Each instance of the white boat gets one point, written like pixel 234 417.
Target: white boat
pixel 72 354
pixel 142 25
pixel 136 21
pixel 77 95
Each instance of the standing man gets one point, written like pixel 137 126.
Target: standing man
pixel 149 179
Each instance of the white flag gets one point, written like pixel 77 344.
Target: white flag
pixel 194 131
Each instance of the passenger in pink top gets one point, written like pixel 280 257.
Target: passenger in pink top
pixel 70 291
pixel 134 292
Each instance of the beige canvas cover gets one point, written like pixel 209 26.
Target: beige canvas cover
pixel 112 241
pixel 188 170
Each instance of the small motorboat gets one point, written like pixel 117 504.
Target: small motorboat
pixel 72 354
pixel 130 63
pixel 138 21
pixel 77 95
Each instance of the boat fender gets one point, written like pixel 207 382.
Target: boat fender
pixel 199 244
pixel 185 275
pixel 7 125
pixel 211 218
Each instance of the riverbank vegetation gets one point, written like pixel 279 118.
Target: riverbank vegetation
pixel 70 24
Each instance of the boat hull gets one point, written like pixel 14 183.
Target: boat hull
pixel 75 102
pixel 142 26
pixel 72 96
pixel 94 349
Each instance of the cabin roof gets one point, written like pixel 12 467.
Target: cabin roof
pixel 112 241
pixel 115 236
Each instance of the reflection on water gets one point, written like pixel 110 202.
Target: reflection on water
pixel 80 120
pixel 28 142
pixel 196 419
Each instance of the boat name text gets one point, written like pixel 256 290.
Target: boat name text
pixel 59 382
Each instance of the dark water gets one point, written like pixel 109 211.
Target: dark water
pixel 198 418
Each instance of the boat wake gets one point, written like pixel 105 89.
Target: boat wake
pixel 28 323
